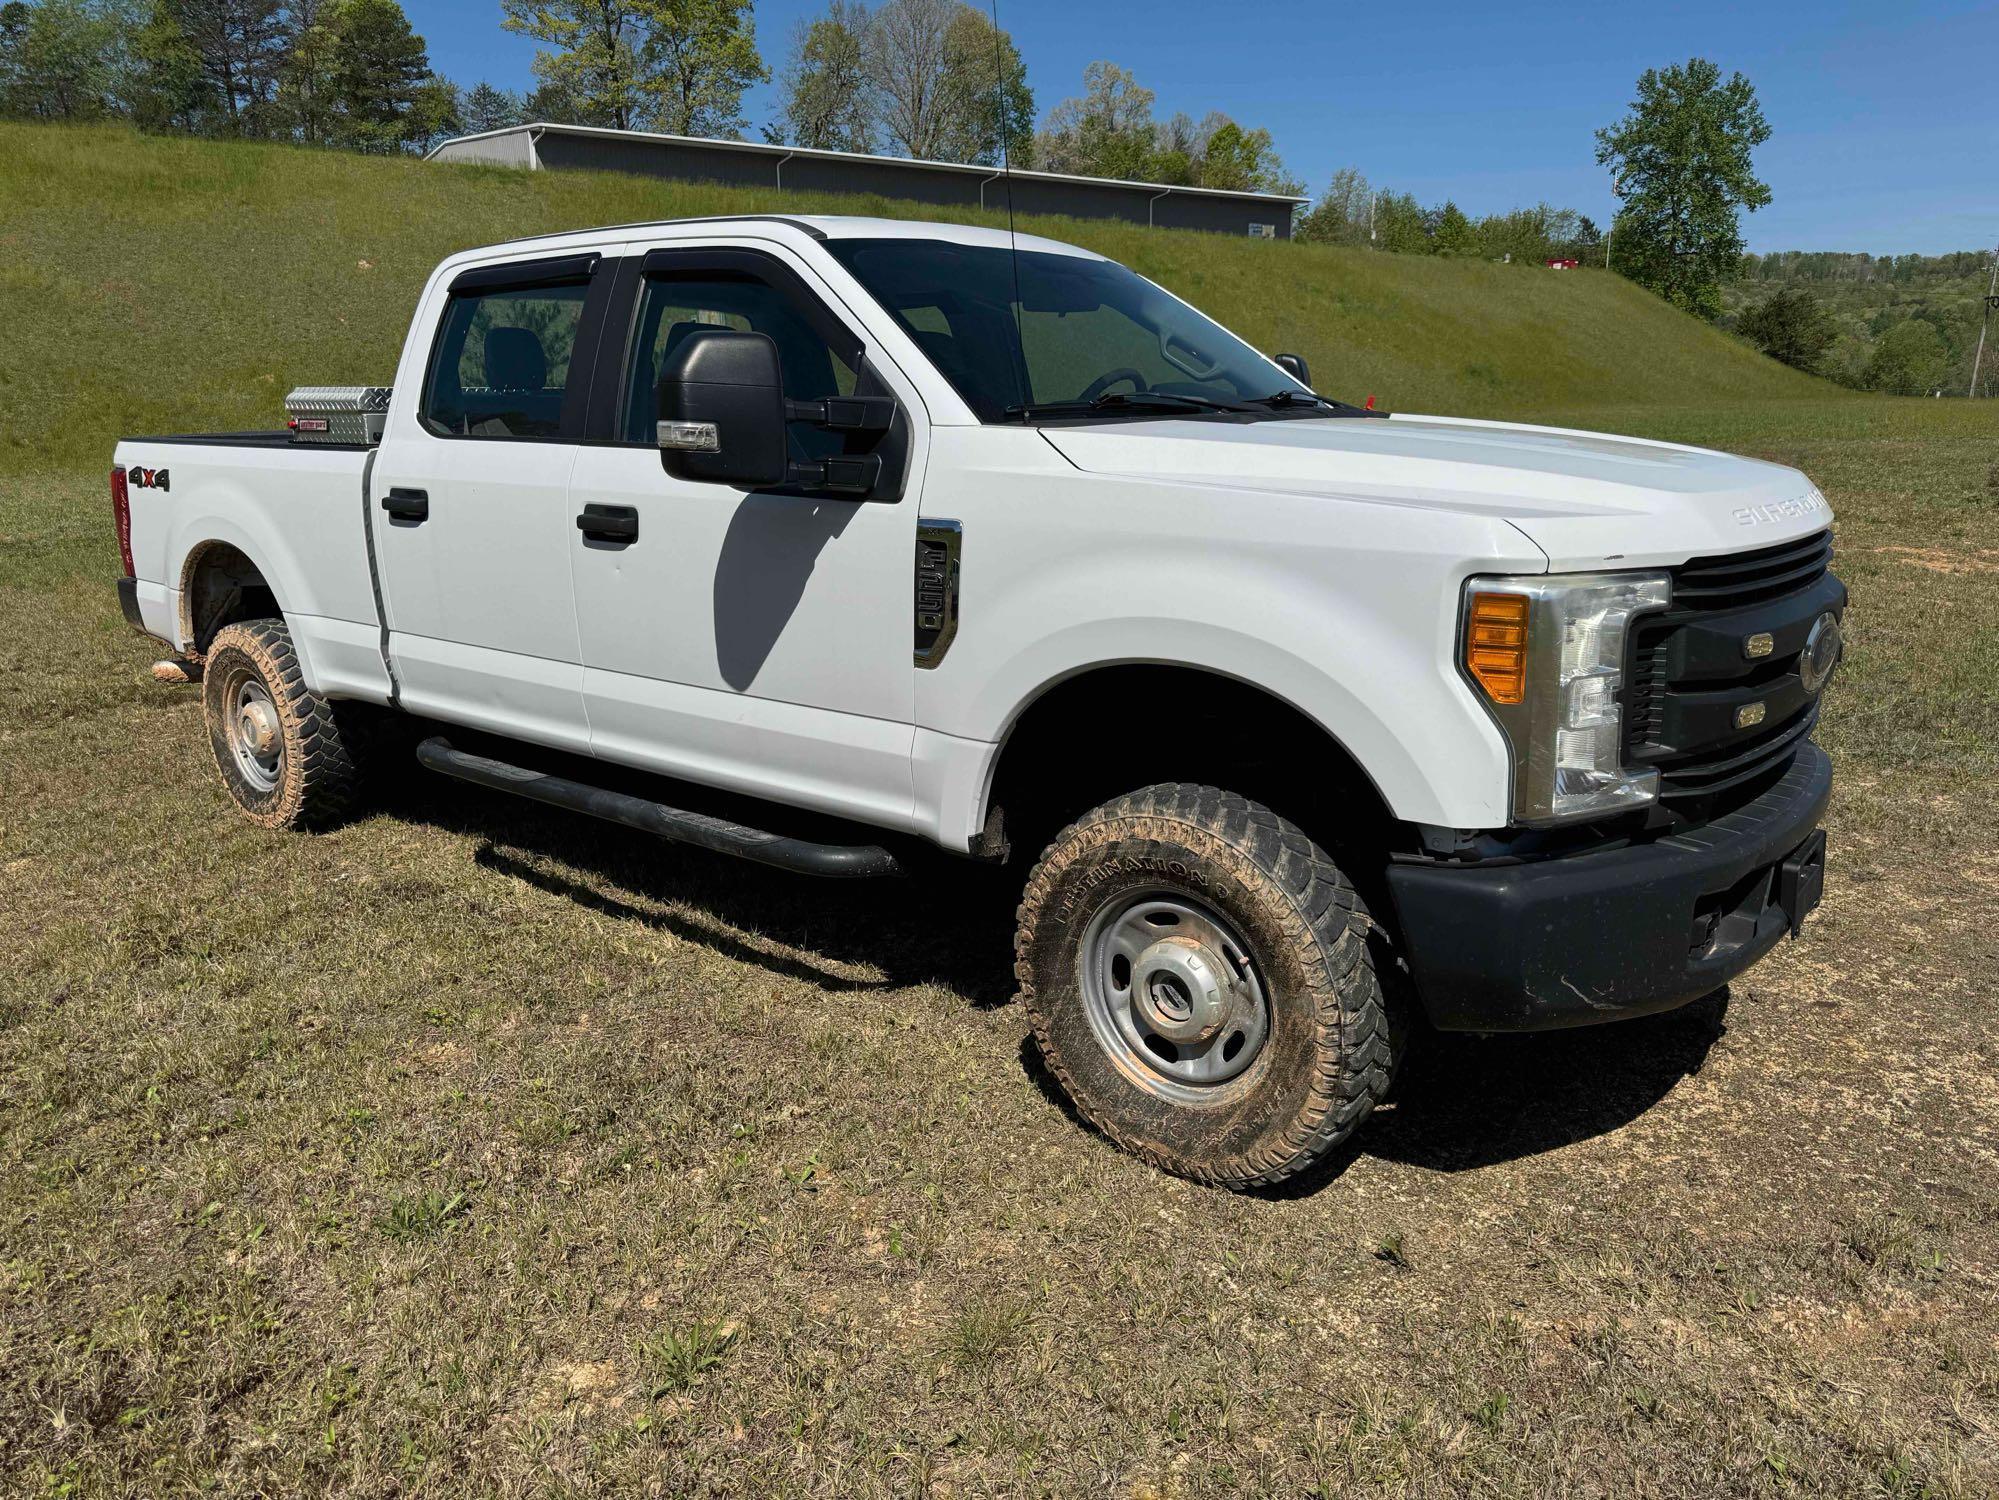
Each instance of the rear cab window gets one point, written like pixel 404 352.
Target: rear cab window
pixel 506 347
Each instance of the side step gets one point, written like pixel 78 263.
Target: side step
pixel 800 856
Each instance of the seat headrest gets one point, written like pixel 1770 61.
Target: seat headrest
pixel 515 360
pixel 676 336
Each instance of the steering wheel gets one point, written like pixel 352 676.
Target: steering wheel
pixel 1104 382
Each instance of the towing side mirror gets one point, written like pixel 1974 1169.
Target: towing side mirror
pixel 1294 365
pixel 721 410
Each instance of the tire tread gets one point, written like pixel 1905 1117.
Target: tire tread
pixel 1358 1047
pixel 323 779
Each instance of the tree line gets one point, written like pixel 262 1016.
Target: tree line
pixel 347 73
pixel 1904 325
pixel 1353 211
pixel 1861 269
pixel 923 78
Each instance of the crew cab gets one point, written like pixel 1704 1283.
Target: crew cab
pixel 818 540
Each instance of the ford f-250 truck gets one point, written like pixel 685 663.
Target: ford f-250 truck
pixel 1308 720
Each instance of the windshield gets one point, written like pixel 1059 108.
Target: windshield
pixel 1081 331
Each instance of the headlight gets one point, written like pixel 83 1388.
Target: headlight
pixel 1547 655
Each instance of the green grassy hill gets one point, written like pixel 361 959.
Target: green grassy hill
pixel 152 284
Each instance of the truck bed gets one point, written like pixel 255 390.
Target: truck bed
pixel 300 510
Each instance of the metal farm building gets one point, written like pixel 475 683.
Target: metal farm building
pixel 946 185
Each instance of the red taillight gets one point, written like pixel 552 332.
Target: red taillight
pixel 121 515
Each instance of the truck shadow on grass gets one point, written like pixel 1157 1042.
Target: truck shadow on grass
pixel 1464 1102
pixel 1460 1103
pixel 949 924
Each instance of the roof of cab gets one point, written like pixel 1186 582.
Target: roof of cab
pixel 816 226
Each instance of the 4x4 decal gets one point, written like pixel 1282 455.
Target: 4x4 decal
pixel 148 479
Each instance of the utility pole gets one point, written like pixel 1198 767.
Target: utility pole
pixel 1610 229
pixel 1991 301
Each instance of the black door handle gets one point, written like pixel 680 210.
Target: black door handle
pixel 609 523
pixel 407 505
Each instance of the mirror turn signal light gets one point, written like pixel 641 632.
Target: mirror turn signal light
pixel 1496 645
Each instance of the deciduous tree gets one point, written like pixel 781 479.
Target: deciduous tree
pixel 591 61
pixel 907 60
pixel 697 60
pixel 1340 215
pixel 829 97
pixel 305 80
pixel 1683 164
pixel 166 86
pixel 1108 132
pixel 678 65
pixel 1908 360
pixel 59 59
pixel 1239 159
pixel 988 107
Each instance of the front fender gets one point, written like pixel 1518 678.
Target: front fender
pixel 1457 774
pixel 1345 610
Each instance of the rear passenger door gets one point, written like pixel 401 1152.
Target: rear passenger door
pixel 469 502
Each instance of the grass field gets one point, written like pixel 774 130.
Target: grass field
pixel 471 1149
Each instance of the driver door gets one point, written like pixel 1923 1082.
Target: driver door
pixel 759 641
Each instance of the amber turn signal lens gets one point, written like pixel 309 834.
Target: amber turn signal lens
pixel 1496 645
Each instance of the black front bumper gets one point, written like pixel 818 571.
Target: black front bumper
pixel 1598 936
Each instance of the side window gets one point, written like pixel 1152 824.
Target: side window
pixel 672 306
pixel 501 367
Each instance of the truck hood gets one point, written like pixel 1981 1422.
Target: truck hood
pixel 1586 499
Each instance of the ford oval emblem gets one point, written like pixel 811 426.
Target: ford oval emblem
pixel 1823 649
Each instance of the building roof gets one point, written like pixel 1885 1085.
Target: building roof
pixel 786 153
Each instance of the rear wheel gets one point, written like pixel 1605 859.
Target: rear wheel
pixel 284 754
pixel 1199 978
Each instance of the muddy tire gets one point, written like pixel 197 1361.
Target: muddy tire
pixel 1199 976
pixel 280 747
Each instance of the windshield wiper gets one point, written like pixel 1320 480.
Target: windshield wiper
pixel 1283 400
pixel 1121 400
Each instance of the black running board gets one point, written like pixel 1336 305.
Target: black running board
pixel 800 856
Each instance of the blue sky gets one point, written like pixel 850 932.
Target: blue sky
pixel 1886 115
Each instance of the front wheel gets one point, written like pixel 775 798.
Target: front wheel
pixel 1199 978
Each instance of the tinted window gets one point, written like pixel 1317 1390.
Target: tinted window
pixel 673 306
pixel 1053 328
pixel 502 363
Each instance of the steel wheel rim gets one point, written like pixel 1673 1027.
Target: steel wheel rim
pixel 255 733
pixel 1174 995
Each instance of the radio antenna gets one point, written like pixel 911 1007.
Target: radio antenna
pixel 1006 173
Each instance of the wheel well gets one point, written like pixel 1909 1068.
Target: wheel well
pixel 1114 729
pixel 220 586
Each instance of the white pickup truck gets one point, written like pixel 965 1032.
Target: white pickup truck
pixel 1307 721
